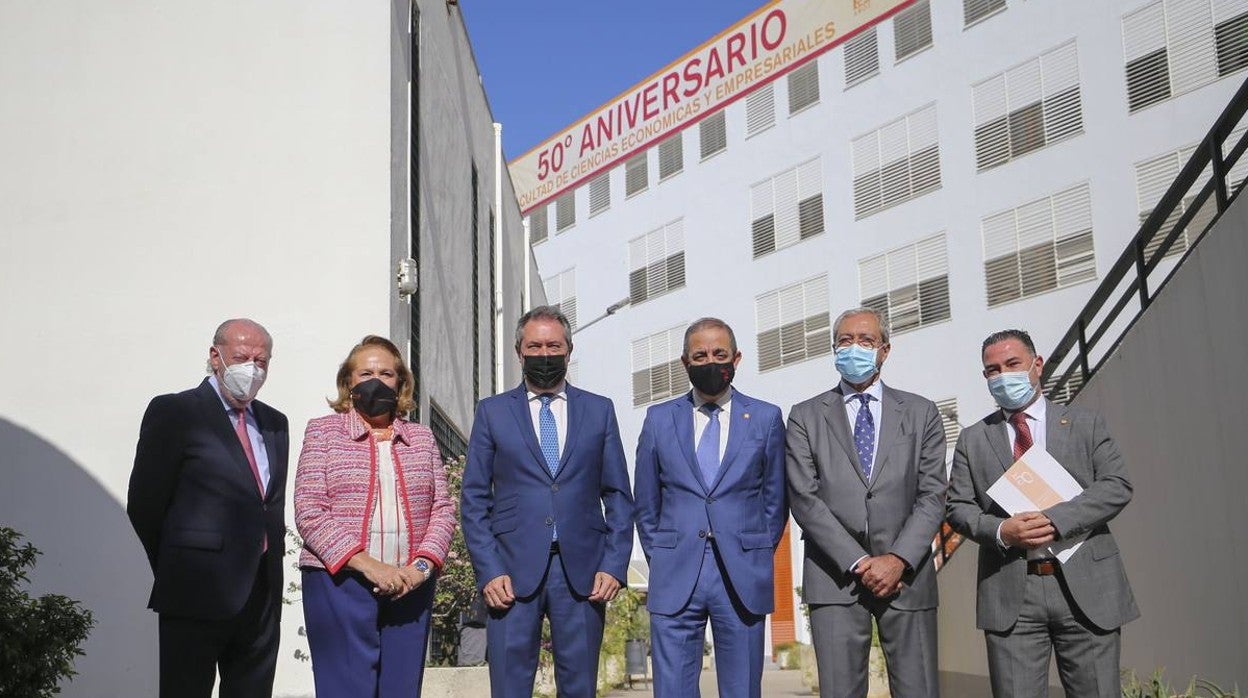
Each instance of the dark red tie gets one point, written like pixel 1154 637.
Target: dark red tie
pixel 240 427
pixel 1022 434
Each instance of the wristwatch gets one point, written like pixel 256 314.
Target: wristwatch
pixel 423 565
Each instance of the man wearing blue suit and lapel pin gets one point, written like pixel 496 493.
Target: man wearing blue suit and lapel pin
pixel 710 493
pixel 547 515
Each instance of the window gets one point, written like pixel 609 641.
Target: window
pixel 656 262
pixel 713 134
pixel 862 57
pixel 912 30
pixel 908 285
pixel 793 324
pixel 787 208
pixel 1040 246
pixel 561 293
pixel 672 156
pixel 804 87
pixel 636 175
pixel 537 225
pixel 1172 47
pixel 760 109
pixel 975 10
pixel 1155 175
pixel 897 162
pixel 657 371
pixel 565 211
pixel 600 193
pixel 450 440
pixel 1027 107
pixel 948 409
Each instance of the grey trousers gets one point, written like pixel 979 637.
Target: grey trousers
pixel 1087 656
pixel 842 636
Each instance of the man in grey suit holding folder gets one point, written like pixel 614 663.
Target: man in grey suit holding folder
pixel 866 479
pixel 1029 603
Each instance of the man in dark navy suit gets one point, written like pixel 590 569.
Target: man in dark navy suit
pixel 207 499
pixel 547 515
pixel 710 511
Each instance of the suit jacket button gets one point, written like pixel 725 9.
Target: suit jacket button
pixel 550 521
pixel 710 500
pixel 702 533
pixel 869 495
pixel 554 487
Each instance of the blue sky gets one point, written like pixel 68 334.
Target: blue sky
pixel 546 63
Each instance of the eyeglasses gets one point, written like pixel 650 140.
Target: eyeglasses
pixel 864 342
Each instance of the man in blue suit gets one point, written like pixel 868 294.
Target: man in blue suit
pixel 710 510
pixel 547 515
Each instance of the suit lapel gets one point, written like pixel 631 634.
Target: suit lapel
pixel 999 440
pixel 834 415
pixel 572 416
pixel 1057 434
pixel 270 447
pixel 888 431
pixel 738 425
pixel 524 423
pixel 222 424
pixel 682 422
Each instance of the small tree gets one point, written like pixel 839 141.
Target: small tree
pixel 39 638
pixel 457 585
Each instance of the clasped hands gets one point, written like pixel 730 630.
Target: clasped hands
pixel 500 596
pixel 390 581
pixel 881 574
pixel 1028 530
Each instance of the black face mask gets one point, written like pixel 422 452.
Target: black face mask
pixel 545 371
pixel 711 379
pixel 373 398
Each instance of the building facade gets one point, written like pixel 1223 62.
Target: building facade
pixel 963 167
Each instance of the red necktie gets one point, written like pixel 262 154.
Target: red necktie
pixel 1022 434
pixel 240 428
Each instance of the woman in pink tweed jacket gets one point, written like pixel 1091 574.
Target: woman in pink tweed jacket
pixel 372 506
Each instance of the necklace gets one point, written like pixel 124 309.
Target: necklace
pixel 383 434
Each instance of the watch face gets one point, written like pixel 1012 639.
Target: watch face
pixel 422 565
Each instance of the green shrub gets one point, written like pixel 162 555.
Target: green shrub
pixel 41 637
pixel 1156 687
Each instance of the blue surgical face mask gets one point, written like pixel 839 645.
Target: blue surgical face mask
pixel 1012 390
pixel 855 363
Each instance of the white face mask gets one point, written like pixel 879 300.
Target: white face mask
pixel 242 381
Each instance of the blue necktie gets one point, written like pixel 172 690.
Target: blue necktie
pixel 864 435
pixel 549 435
pixel 708 446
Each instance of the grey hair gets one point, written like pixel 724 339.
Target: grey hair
pixel 708 323
pixel 544 312
pixel 862 311
pixel 1003 335
pixel 221 336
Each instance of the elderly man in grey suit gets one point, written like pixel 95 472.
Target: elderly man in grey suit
pixel 866 481
pixel 1029 603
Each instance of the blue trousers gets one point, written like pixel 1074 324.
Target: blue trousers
pixel 364 645
pixel 513 638
pixel 676 641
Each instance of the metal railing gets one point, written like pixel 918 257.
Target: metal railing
pixel 1127 289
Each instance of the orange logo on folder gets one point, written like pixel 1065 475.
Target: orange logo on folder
pixel 1033 486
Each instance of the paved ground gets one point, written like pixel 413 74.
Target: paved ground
pixel 776 684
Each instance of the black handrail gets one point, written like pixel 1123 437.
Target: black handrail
pixel 1136 264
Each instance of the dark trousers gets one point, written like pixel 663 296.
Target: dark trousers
pixel 677 640
pixel 514 637
pixel 364 645
pixel 242 648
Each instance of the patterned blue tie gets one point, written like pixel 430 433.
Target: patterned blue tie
pixel 549 433
pixel 708 446
pixel 864 434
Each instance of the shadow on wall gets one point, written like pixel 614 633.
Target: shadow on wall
pixel 91 554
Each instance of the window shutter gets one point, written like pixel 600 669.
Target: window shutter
pixel 1175 46
pixel 713 134
pixel 787 208
pixel 561 293
pixel 992 135
pixel 1148 67
pixel 1063 111
pixel 600 193
pixel 793 323
pixel 760 109
pixel 636 175
pixel 804 86
pixel 657 371
pixel 924 151
pixel 1029 106
pixel 656 262
pixel 1230 35
pixel 671 155
pixel 1039 246
pixel 862 57
pixel 897 162
pixel 565 211
pixel 912 30
pixel 948 410
pixel 537 225
pixel 975 10
pixel 909 285
pixel 867 194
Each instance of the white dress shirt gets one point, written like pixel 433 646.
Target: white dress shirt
pixel 253 432
pixel 387 540
pixel 558 407
pixel 1036 421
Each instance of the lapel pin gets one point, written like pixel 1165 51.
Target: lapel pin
pixel 745 415
pixel 1065 421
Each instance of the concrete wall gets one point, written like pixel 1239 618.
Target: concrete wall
pixel 1178 426
pixel 167 166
